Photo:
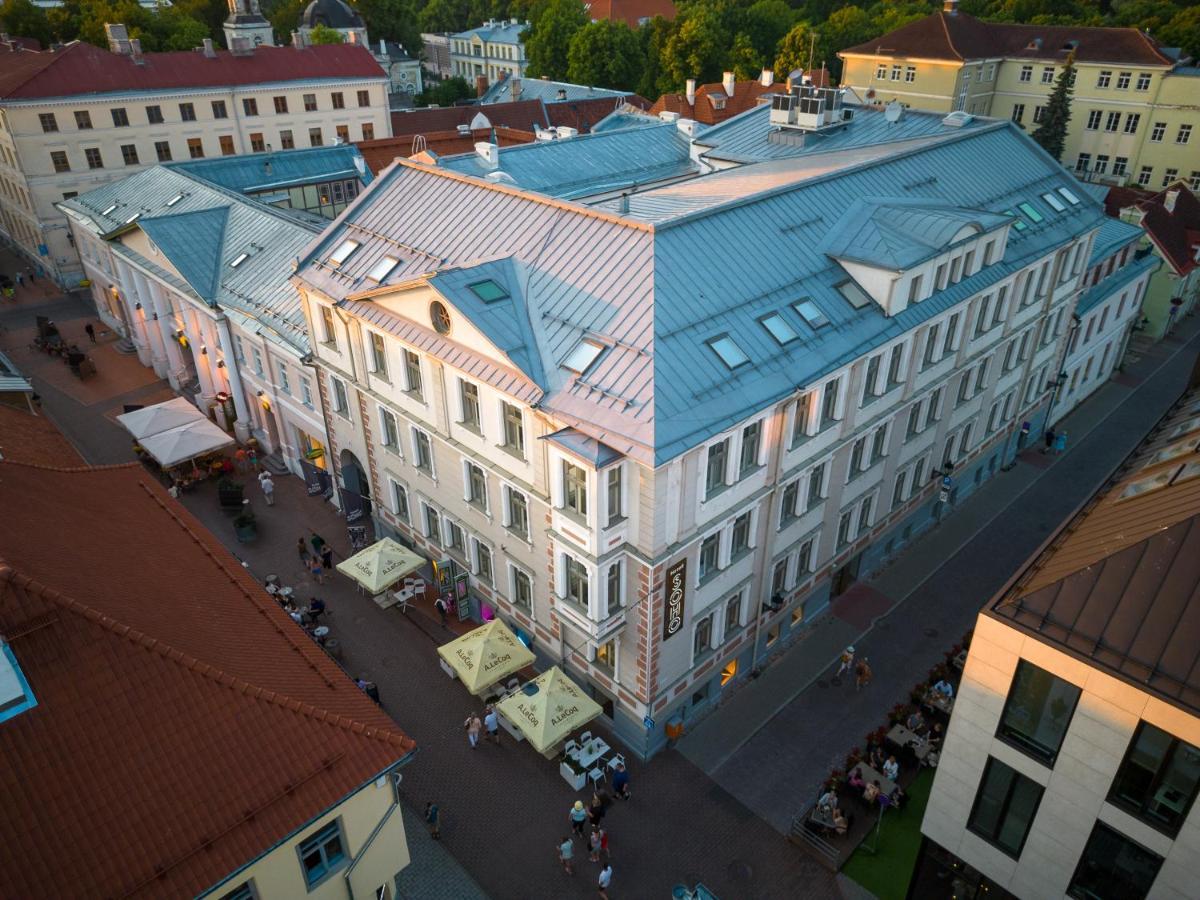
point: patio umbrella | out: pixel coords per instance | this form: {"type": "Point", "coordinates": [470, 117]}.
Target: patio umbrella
{"type": "Point", "coordinates": [160, 417]}
{"type": "Point", "coordinates": [381, 565]}
{"type": "Point", "coordinates": [177, 445]}
{"type": "Point", "coordinates": [549, 708]}
{"type": "Point", "coordinates": [484, 656]}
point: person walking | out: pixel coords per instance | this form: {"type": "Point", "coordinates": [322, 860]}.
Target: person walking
{"type": "Point", "coordinates": [316, 609]}
{"type": "Point", "coordinates": [566, 852]}
{"type": "Point", "coordinates": [604, 880]}
{"type": "Point", "coordinates": [440, 605]}
{"type": "Point", "coordinates": [473, 726]}
{"type": "Point", "coordinates": [621, 782]}
{"type": "Point", "coordinates": [91, 332]}
{"type": "Point", "coordinates": [594, 844]}
{"type": "Point", "coordinates": [846, 662]}
{"type": "Point", "coordinates": [431, 819]}
{"type": "Point", "coordinates": [318, 543]}
{"type": "Point", "coordinates": [268, 487]}
{"type": "Point", "coordinates": [240, 459]}
{"type": "Point", "coordinates": [1049, 440]}
{"type": "Point", "coordinates": [1060, 443]}
{"type": "Point", "coordinates": [317, 571]}
{"type": "Point", "coordinates": [862, 674]}
{"type": "Point", "coordinates": [491, 721]}
{"type": "Point", "coordinates": [604, 844]}
{"type": "Point", "coordinates": [327, 558]}
{"type": "Point", "coordinates": [578, 815]}
{"type": "Point", "coordinates": [302, 548]}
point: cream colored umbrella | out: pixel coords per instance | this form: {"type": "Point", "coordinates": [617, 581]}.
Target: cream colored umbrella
{"type": "Point", "coordinates": [485, 655]}
{"type": "Point", "coordinates": [381, 565]}
{"type": "Point", "coordinates": [548, 714]}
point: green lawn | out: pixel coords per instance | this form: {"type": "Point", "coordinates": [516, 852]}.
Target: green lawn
{"type": "Point", "coordinates": [886, 872]}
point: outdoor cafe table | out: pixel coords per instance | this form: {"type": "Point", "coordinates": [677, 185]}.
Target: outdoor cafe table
{"type": "Point", "coordinates": [869, 775]}
{"type": "Point", "coordinates": [939, 701]}
{"type": "Point", "coordinates": [903, 737]}
{"type": "Point", "coordinates": [823, 818]}
{"type": "Point", "coordinates": [592, 751]}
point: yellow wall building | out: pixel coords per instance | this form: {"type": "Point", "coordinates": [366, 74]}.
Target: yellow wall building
{"type": "Point", "coordinates": [1134, 109]}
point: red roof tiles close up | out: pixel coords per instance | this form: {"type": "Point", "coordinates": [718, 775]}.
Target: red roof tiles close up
{"type": "Point", "coordinates": [713, 104]}
{"type": "Point", "coordinates": [380, 153]}
{"type": "Point", "coordinates": [184, 724]}
{"type": "Point", "coordinates": [631, 12]}
{"type": "Point", "coordinates": [521, 114]}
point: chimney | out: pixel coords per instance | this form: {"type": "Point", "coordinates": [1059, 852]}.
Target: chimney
{"type": "Point", "coordinates": [516, 87]}
{"type": "Point", "coordinates": [481, 85]}
{"type": "Point", "coordinates": [352, 37]}
{"type": "Point", "coordinates": [562, 94]}
{"type": "Point", "coordinates": [729, 82]}
{"type": "Point", "coordinates": [209, 50]}
{"type": "Point", "coordinates": [950, 7]}
{"type": "Point", "coordinates": [135, 50]}
{"type": "Point", "coordinates": [691, 91]}
{"type": "Point", "coordinates": [489, 153]}
{"type": "Point", "coordinates": [297, 40]}
{"type": "Point", "coordinates": [1169, 199]}
{"type": "Point", "coordinates": [767, 78]}
{"type": "Point", "coordinates": [118, 39]}
{"type": "Point", "coordinates": [382, 47]}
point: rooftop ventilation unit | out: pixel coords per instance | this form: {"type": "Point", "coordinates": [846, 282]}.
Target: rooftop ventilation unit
{"type": "Point", "coordinates": [958, 119]}
{"type": "Point", "coordinates": [808, 108]}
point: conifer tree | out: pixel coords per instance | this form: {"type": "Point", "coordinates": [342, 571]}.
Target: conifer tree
{"type": "Point", "coordinates": [1051, 133]}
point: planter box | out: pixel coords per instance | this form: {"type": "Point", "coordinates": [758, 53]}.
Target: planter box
{"type": "Point", "coordinates": [246, 533]}
{"type": "Point", "coordinates": [577, 780]}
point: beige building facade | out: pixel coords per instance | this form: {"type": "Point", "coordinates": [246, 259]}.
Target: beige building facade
{"type": "Point", "coordinates": [493, 50]}
{"type": "Point", "coordinates": [1134, 106]}
{"type": "Point", "coordinates": [61, 137]}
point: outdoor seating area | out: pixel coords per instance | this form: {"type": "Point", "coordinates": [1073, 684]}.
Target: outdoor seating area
{"type": "Point", "coordinates": [587, 760]}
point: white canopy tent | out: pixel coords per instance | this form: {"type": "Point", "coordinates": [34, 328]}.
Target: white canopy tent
{"type": "Point", "coordinates": [160, 417]}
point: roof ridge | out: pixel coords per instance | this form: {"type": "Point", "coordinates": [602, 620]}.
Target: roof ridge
{"type": "Point", "coordinates": [56, 54]}
{"type": "Point", "coordinates": [946, 30]}
{"type": "Point", "coordinates": [69, 469]}
{"type": "Point", "coordinates": [13, 576]}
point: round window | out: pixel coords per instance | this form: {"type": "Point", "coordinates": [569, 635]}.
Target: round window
{"type": "Point", "coordinates": [440, 317]}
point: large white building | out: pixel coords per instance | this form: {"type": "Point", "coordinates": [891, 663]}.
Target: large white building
{"type": "Point", "coordinates": [489, 51]}
{"type": "Point", "coordinates": [1072, 760]}
{"type": "Point", "coordinates": [79, 117]}
{"type": "Point", "coordinates": [663, 416]}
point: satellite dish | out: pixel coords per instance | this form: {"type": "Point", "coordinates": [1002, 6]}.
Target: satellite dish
{"type": "Point", "coordinates": [893, 111]}
{"type": "Point", "coordinates": [480, 122]}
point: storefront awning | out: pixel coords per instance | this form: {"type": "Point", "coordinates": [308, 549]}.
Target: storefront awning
{"type": "Point", "coordinates": [485, 655]}
{"type": "Point", "coordinates": [548, 709]}
{"type": "Point", "coordinates": [381, 565]}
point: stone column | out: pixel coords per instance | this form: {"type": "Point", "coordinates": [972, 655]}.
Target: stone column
{"type": "Point", "coordinates": [130, 290]}
{"type": "Point", "coordinates": [241, 427]}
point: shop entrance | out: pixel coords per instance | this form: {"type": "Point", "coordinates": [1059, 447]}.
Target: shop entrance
{"type": "Point", "coordinates": [844, 577]}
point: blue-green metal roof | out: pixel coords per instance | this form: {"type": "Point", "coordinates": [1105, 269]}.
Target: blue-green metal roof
{"type": "Point", "coordinates": [546, 91]}
{"type": "Point", "coordinates": [1100, 292]}
{"type": "Point", "coordinates": [254, 172]}
{"type": "Point", "coordinates": [1113, 235]}
{"type": "Point", "coordinates": [589, 164]}
{"type": "Point", "coordinates": [618, 120]}
{"type": "Point", "coordinates": [192, 241]}
{"type": "Point", "coordinates": [502, 32]}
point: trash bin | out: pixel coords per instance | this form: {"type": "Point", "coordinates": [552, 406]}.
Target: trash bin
{"type": "Point", "coordinates": [371, 689]}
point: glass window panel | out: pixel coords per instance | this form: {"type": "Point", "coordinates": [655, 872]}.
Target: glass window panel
{"type": "Point", "coordinates": [1038, 712]}
{"type": "Point", "coordinates": [1113, 866]}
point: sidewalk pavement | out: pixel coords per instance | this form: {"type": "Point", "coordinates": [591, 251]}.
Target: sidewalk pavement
{"type": "Point", "coordinates": [773, 746]}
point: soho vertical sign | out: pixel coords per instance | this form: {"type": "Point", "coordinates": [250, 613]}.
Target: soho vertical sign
{"type": "Point", "coordinates": [674, 594]}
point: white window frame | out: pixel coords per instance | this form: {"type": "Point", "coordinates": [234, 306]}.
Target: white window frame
{"type": "Point", "coordinates": [416, 457]}
{"type": "Point", "coordinates": [395, 491]}
{"type": "Point", "coordinates": [386, 414]}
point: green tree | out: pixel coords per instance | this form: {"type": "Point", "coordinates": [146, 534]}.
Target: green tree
{"type": "Point", "coordinates": [445, 15]}
{"type": "Point", "coordinates": [284, 17]}
{"type": "Point", "coordinates": [653, 36]}
{"type": "Point", "coordinates": [698, 48]}
{"type": "Point", "coordinates": [186, 34]}
{"type": "Point", "coordinates": [765, 23]}
{"type": "Point", "coordinates": [1184, 31]}
{"type": "Point", "coordinates": [795, 50]}
{"type": "Point", "coordinates": [323, 34]}
{"type": "Point", "coordinates": [445, 93]}
{"type": "Point", "coordinates": [548, 40]}
{"type": "Point", "coordinates": [605, 54]}
{"type": "Point", "coordinates": [23, 19]}
{"type": "Point", "coordinates": [745, 61]}
{"type": "Point", "coordinates": [1051, 134]}
{"type": "Point", "coordinates": [393, 20]}
{"type": "Point", "coordinates": [848, 26]}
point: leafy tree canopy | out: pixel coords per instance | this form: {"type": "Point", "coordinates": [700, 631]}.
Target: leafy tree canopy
{"type": "Point", "coordinates": [548, 40]}
{"type": "Point", "coordinates": [605, 53]}
{"type": "Point", "coordinates": [323, 34]}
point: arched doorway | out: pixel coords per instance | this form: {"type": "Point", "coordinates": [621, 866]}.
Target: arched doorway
{"type": "Point", "coordinates": [355, 490]}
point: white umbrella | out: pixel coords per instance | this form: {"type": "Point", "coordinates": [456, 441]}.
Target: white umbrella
{"type": "Point", "coordinates": [170, 448]}
{"type": "Point", "coordinates": [160, 417]}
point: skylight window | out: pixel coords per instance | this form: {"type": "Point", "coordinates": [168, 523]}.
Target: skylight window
{"type": "Point", "coordinates": [15, 695]}
{"type": "Point", "coordinates": [1069, 196]}
{"type": "Point", "coordinates": [1054, 203]}
{"type": "Point", "coordinates": [239, 259]}
{"type": "Point", "coordinates": [174, 199]}
{"type": "Point", "coordinates": [1017, 223]}
{"type": "Point", "coordinates": [133, 218]}
{"type": "Point", "coordinates": [1031, 212]}
{"type": "Point", "coordinates": [383, 268]}
{"type": "Point", "coordinates": [488, 291]}
{"type": "Point", "coordinates": [342, 253]}
{"type": "Point", "coordinates": [778, 328]}
{"type": "Point", "coordinates": [811, 314]}
{"type": "Point", "coordinates": [108, 211]}
{"type": "Point", "coordinates": [855, 295]}
{"type": "Point", "coordinates": [581, 358]}
{"type": "Point", "coordinates": [729, 352]}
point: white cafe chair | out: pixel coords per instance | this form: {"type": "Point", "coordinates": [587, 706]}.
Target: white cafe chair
{"type": "Point", "coordinates": [596, 775]}
{"type": "Point", "coordinates": [585, 737]}
{"type": "Point", "coordinates": [617, 760]}
{"type": "Point", "coordinates": [570, 748]}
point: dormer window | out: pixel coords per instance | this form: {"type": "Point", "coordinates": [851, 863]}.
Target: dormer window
{"type": "Point", "coordinates": [342, 253]}
{"type": "Point", "coordinates": [488, 291]}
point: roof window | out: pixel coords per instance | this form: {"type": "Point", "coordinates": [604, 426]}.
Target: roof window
{"type": "Point", "coordinates": [15, 695]}
{"type": "Point", "coordinates": [239, 259]}
{"type": "Point", "coordinates": [729, 352]}
{"type": "Point", "coordinates": [1054, 203]}
{"type": "Point", "coordinates": [174, 199]}
{"type": "Point", "coordinates": [383, 268]}
{"type": "Point", "coordinates": [108, 210]}
{"type": "Point", "coordinates": [1069, 196]}
{"type": "Point", "coordinates": [342, 253]}
{"type": "Point", "coordinates": [581, 358]}
{"type": "Point", "coordinates": [1172, 451]}
{"type": "Point", "coordinates": [778, 327]}
{"type": "Point", "coordinates": [811, 314]}
{"type": "Point", "coordinates": [1031, 212]}
{"type": "Point", "coordinates": [488, 291]}
{"type": "Point", "coordinates": [1017, 222]}
{"type": "Point", "coordinates": [855, 295]}
{"type": "Point", "coordinates": [133, 218]}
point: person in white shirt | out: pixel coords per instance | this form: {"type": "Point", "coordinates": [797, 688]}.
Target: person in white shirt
{"type": "Point", "coordinates": [891, 768]}
{"type": "Point", "coordinates": [945, 688]}
{"type": "Point", "coordinates": [605, 880]}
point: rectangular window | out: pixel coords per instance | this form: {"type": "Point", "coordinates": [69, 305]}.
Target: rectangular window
{"type": "Point", "coordinates": [829, 403]}
{"type": "Point", "coordinates": [322, 854]}
{"type": "Point", "coordinates": [514, 428]}
{"type": "Point", "coordinates": [226, 143]}
{"type": "Point", "coordinates": [456, 539]}
{"type": "Point", "coordinates": [1120, 165]}
{"type": "Point", "coordinates": [1184, 134]}
{"type": "Point", "coordinates": [399, 500]}
{"type": "Point", "coordinates": [285, 383]}
{"type": "Point", "coordinates": [896, 73]}
{"type": "Point", "coordinates": [1112, 122]}
{"type": "Point", "coordinates": [522, 590]}
{"type": "Point", "coordinates": [910, 74]}
{"type": "Point", "coordinates": [49, 123]}
{"type": "Point", "coordinates": [1158, 779]}
{"type": "Point", "coordinates": [1004, 807]}
{"type": "Point", "coordinates": [195, 148]}
{"type": "Point", "coordinates": [129, 154]}
{"type": "Point", "coordinates": [343, 133]}
{"type": "Point", "coordinates": [1169, 177]}
{"type": "Point", "coordinates": [153, 115]}
{"type": "Point", "coordinates": [845, 523]}
{"type": "Point", "coordinates": [715, 466]}
{"type": "Point", "coordinates": [1039, 113]}
{"type": "Point", "coordinates": [310, 102]}
{"type": "Point", "coordinates": [1145, 175]}
{"type": "Point", "coordinates": [898, 491]}
{"type": "Point", "coordinates": [1026, 74]}
{"type": "Point", "coordinates": [931, 344]}
{"type": "Point", "coordinates": [1123, 79]}
{"type": "Point", "coordinates": [751, 439]}
{"type": "Point", "coordinates": [788, 502]}
{"type": "Point", "coordinates": [433, 524]}
{"type": "Point", "coordinates": [741, 536]}
{"type": "Point", "coordinates": [816, 485]}
{"type": "Point", "coordinates": [577, 581]}
{"type": "Point", "coordinates": [1113, 866]}
{"type": "Point", "coordinates": [468, 396]}
{"type": "Point", "coordinates": [60, 161]}
{"type": "Point", "coordinates": [120, 118]}
{"type": "Point", "coordinates": [162, 149]}
{"type": "Point", "coordinates": [1018, 112]}
{"type": "Point", "coordinates": [219, 110]}
{"type": "Point", "coordinates": [1037, 712]}
{"type": "Point", "coordinates": [476, 486]}
{"type": "Point", "coordinates": [364, 98]}
{"type": "Point", "coordinates": [1131, 122]}
{"type": "Point", "coordinates": [306, 392]}
{"type": "Point", "coordinates": [613, 495]}
{"type": "Point", "coordinates": [187, 112]}
{"type": "Point", "coordinates": [1104, 79]}
{"type": "Point", "coordinates": [575, 489]}
{"type": "Point", "coordinates": [914, 289]}
{"type": "Point", "coordinates": [612, 589]}
{"type": "Point", "coordinates": [935, 407]}
{"type": "Point", "coordinates": [517, 508]}
{"type": "Point", "coordinates": [1093, 120]}
{"type": "Point", "coordinates": [422, 451]}
{"type": "Point", "coordinates": [314, 137]}
{"type": "Point", "coordinates": [702, 640]}
{"type": "Point", "coordinates": [390, 434]}
{"type": "Point", "coordinates": [872, 376]}
{"type": "Point", "coordinates": [258, 143]}
{"type": "Point", "coordinates": [733, 615]}
{"type": "Point", "coordinates": [378, 355]}
{"type": "Point", "coordinates": [1143, 82]}
{"type": "Point", "coordinates": [339, 102]}
{"type": "Point", "coordinates": [250, 106]}
{"type": "Point", "coordinates": [286, 141]}
{"type": "Point", "coordinates": [864, 514]}
{"type": "Point", "coordinates": [94, 160]}
{"type": "Point", "coordinates": [1157, 132]}
{"type": "Point", "coordinates": [281, 105]}
{"type": "Point", "coordinates": [412, 373]}
{"type": "Point", "coordinates": [368, 131]}
{"type": "Point", "coordinates": [800, 415]}
{"type": "Point", "coordinates": [710, 555]}
{"type": "Point", "coordinates": [1047, 74]}
{"type": "Point", "coordinates": [83, 119]}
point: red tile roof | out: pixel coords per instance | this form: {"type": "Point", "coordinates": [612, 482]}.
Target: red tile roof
{"type": "Point", "coordinates": [1119, 197]}
{"type": "Point", "coordinates": [631, 12]}
{"type": "Point", "coordinates": [184, 724]}
{"type": "Point", "coordinates": [1175, 232]}
{"type": "Point", "coordinates": [81, 68]}
{"type": "Point", "coordinates": [958, 36]}
{"type": "Point", "coordinates": [521, 114]}
{"type": "Point", "coordinates": [708, 96]}
{"type": "Point", "coordinates": [27, 438]}
{"type": "Point", "coordinates": [380, 153]}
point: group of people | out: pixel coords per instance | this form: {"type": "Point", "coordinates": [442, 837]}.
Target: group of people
{"type": "Point", "coordinates": [860, 667]}
{"type": "Point", "coordinates": [317, 562]}
{"type": "Point", "coordinates": [307, 617]}
{"type": "Point", "coordinates": [9, 285]}
{"type": "Point", "coordinates": [587, 823]}
{"type": "Point", "coordinates": [474, 726]}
